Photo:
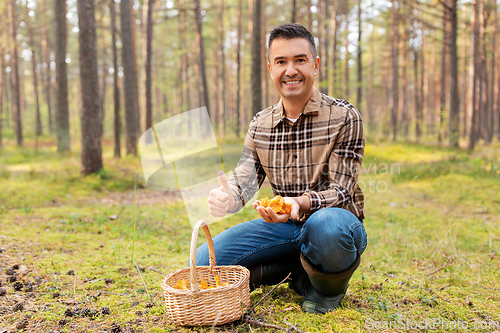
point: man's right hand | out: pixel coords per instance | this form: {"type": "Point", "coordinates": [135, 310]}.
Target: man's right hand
{"type": "Point", "coordinates": [220, 199]}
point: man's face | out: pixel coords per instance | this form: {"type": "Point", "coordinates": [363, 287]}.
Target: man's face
{"type": "Point", "coordinates": [293, 68]}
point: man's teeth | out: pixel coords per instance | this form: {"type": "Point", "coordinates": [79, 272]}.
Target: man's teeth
{"type": "Point", "coordinates": [292, 82]}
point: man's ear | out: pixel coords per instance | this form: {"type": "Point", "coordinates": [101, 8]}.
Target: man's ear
{"type": "Point", "coordinates": [269, 68]}
{"type": "Point", "coordinates": [316, 66]}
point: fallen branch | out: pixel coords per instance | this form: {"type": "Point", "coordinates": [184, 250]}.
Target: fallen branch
{"type": "Point", "coordinates": [154, 270]}
{"type": "Point", "coordinates": [109, 292]}
{"type": "Point", "coordinates": [428, 274]}
{"type": "Point", "coordinates": [270, 291]}
{"type": "Point", "coordinates": [292, 326]}
{"type": "Point", "coordinates": [252, 321]}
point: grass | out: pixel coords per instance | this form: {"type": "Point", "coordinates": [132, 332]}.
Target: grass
{"type": "Point", "coordinates": [431, 219]}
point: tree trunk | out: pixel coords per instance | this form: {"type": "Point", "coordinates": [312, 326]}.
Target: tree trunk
{"type": "Point", "coordinates": [483, 102]}
{"type": "Point", "coordinates": [47, 78]}
{"type": "Point", "coordinates": [360, 64]}
{"type": "Point", "coordinates": [404, 89]}
{"type": "Point", "coordinates": [454, 98]}
{"type": "Point", "coordinates": [133, 26]}
{"type": "Point", "coordinates": [147, 53]}
{"type": "Point", "coordinates": [395, 68]}
{"type": "Point", "coordinates": [238, 73]}
{"type": "Point", "coordinates": [223, 107]}
{"type": "Point", "coordinates": [256, 59]}
{"type": "Point", "coordinates": [2, 54]}
{"type": "Point", "coordinates": [465, 96]}
{"type": "Point", "coordinates": [444, 72]}
{"type": "Point", "coordinates": [475, 75]}
{"type": "Point", "coordinates": [333, 24]}
{"type": "Point", "coordinates": [494, 74]}
{"type": "Point", "coordinates": [38, 121]}
{"type": "Point", "coordinates": [16, 94]}
{"type": "Point", "coordinates": [62, 114]}
{"type": "Point", "coordinates": [347, 58]}
{"type": "Point", "coordinates": [116, 92]}
{"type": "Point", "coordinates": [294, 11]}
{"type": "Point", "coordinates": [418, 101]}
{"type": "Point", "coordinates": [131, 114]}
{"type": "Point", "coordinates": [91, 123]}
{"type": "Point", "coordinates": [201, 56]}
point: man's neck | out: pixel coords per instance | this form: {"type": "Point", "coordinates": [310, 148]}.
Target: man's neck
{"type": "Point", "coordinates": [293, 108]}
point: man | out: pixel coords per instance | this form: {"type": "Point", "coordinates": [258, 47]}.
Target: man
{"type": "Point", "coordinates": [310, 147]}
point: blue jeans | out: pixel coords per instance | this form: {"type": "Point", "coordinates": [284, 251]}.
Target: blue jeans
{"type": "Point", "coordinates": [330, 238]}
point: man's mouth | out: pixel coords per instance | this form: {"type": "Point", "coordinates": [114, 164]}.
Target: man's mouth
{"type": "Point", "coordinates": [292, 82]}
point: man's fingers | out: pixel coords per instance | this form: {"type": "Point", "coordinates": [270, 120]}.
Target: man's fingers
{"type": "Point", "coordinates": [217, 193]}
{"type": "Point", "coordinates": [263, 214]}
{"type": "Point", "coordinates": [223, 182]}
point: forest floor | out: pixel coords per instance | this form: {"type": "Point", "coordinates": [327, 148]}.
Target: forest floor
{"type": "Point", "coordinates": [432, 261]}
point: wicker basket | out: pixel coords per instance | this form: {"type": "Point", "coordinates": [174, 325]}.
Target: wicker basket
{"type": "Point", "coordinates": [195, 307]}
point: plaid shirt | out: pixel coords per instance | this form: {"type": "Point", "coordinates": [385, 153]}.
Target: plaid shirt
{"type": "Point", "coordinates": [319, 155]}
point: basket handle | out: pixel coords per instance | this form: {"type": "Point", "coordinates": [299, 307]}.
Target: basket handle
{"type": "Point", "coordinates": [192, 258]}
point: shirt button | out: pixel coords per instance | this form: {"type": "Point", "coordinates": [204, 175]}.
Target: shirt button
{"type": "Point", "coordinates": [294, 156]}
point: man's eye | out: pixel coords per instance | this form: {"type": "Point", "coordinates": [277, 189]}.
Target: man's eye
{"type": "Point", "coordinates": [301, 60]}
{"type": "Point", "coordinates": [280, 62]}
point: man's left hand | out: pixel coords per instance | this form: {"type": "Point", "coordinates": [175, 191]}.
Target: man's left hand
{"type": "Point", "coordinates": [270, 216]}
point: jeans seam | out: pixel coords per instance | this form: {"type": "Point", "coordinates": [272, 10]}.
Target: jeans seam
{"type": "Point", "coordinates": [259, 249]}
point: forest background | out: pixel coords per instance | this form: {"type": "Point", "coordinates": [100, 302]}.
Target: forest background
{"type": "Point", "coordinates": [80, 81]}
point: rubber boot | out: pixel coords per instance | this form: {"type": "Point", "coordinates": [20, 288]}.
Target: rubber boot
{"type": "Point", "coordinates": [272, 273]}
{"type": "Point", "coordinates": [328, 289]}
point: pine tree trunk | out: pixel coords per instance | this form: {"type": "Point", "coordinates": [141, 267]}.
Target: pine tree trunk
{"type": "Point", "coordinates": [475, 75]}
{"type": "Point", "coordinates": [418, 120]}
{"type": "Point", "coordinates": [360, 64]}
{"type": "Point", "coordinates": [256, 59]}
{"type": "Point", "coordinates": [91, 123]}
{"type": "Point", "coordinates": [47, 78]}
{"type": "Point", "coordinates": [395, 68]}
{"type": "Point", "coordinates": [483, 109]}
{"type": "Point", "coordinates": [147, 54]}
{"type": "Point", "coordinates": [116, 91]}
{"type": "Point", "coordinates": [2, 54]}
{"type": "Point", "coordinates": [346, 59]}
{"type": "Point", "coordinates": [404, 89]}
{"type": "Point", "coordinates": [16, 93]}
{"type": "Point", "coordinates": [444, 72]}
{"type": "Point", "coordinates": [131, 112]}
{"type": "Point", "coordinates": [62, 114]}
{"type": "Point", "coordinates": [201, 56]}
{"type": "Point", "coordinates": [238, 73]}
{"type": "Point", "coordinates": [223, 94]}
{"type": "Point", "coordinates": [294, 11]}
{"type": "Point", "coordinates": [333, 24]}
{"type": "Point", "coordinates": [465, 101]}
{"type": "Point", "coordinates": [454, 98]}
{"type": "Point", "coordinates": [38, 126]}
{"type": "Point", "coordinates": [309, 15]}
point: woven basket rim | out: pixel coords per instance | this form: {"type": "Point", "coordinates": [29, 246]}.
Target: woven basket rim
{"type": "Point", "coordinates": [176, 291]}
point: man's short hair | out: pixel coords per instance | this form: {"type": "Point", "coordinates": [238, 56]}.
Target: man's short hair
{"type": "Point", "coordinates": [291, 31]}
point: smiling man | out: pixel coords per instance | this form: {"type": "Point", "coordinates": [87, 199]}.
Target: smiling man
{"type": "Point", "coordinates": [310, 147]}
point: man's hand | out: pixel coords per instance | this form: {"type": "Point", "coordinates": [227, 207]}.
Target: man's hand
{"type": "Point", "coordinates": [270, 216]}
{"type": "Point", "coordinates": [220, 199]}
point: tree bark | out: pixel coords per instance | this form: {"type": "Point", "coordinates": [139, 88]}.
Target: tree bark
{"type": "Point", "coordinates": [475, 75]}
{"type": "Point", "coordinates": [16, 94]}
{"type": "Point", "coordinates": [91, 123]}
{"type": "Point", "coordinates": [465, 99]}
{"type": "Point", "coordinates": [444, 72]}
{"type": "Point", "coordinates": [454, 98]}
{"type": "Point", "coordinates": [294, 11]}
{"type": "Point", "coordinates": [223, 116]}
{"type": "Point", "coordinates": [131, 114]}
{"type": "Point", "coordinates": [2, 54]}
{"type": "Point", "coordinates": [147, 54]}
{"type": "Point", "coordinates": [47, 78]}
{"type": "Point", "coordinates": [256, 59]}
{"type": "Point", "coordinates": [405, 117]}
{"type": "Point", "coordinates": [116, 91]}
{"type": "Point", "coordinates": [333, 24]}
{"type": "Point", "coordinates": [62, 114]}
{"type": "Point", "coordinates": [395, 68]}
{"type": "Point", "coordinates": [38, 121]}
{"type": "Point", "coordinates": [201, 55]}
{"type": "Point", "coordinates": [360, 64]}
{"type": "Point", "coordinates": [238, 73]}
{"type": "Point", "coordinates": [347, 58]}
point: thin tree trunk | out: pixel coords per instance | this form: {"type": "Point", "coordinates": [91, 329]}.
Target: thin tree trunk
{"type": "Point", "coordinates": [91, 123]}
{"type": "Point", "coordinates": [404, 99]}
{"type": "Point", "coordinates": [116, 91]}
{"type": "Point", "coordinates": [496, 112]}
{"type": "Point", "coordinates": [238, 72]}
{"type": "Point", "coordinates": [16, 93]}
{"type": "Point", "coordinates": [104, 70]}
{"type": "Point", "coordinates": [444, 72]}
{"type": "Point", "coordinates": [475, 86]}
{"type": "Point", "coordinates": [333, 24]}
{"type": "Point", "coordinates": [294, 11]}
{"type": "Point", "coordinates": [465, 96]}
{"type": "Point", "coordinates": [38, 121]}
{"type": "Point", "coordinates": [347, 58]}
{"type": "Point", "coordinates": [62, 114]}
{"type": "Point", "coordinates": [201, 55]}
{"type": "Point", "coordinates": [223, 104]}
{"type": "Point", "coordinates": [360, 64]}
{"type": "Point", "coordinates": [395, 68]}
{"type": "Point", "coordinates": [484, 77]}
{"type": "Point", "coordinates": [133, 27]}
{"type": "Point", "coordinates": [418, 101]}
{"type": "Point", "coordinates": [147, 56]}
{"type": "Point", "coordinates": [256, 59]}
{"type": "Point", "coordinates": [454, 98]}
{"type": "Point", "coordinates": [47, 78]}
{"type": "Point", "coordinates": [494, 75]}
{"type": "Point", "coordinates": [131, 114]}
{"type": "Point", "coordinates": [2, 54]}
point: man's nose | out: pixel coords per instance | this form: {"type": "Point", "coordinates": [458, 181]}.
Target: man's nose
{"type": "Point", "coordinates": [290, 69]}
